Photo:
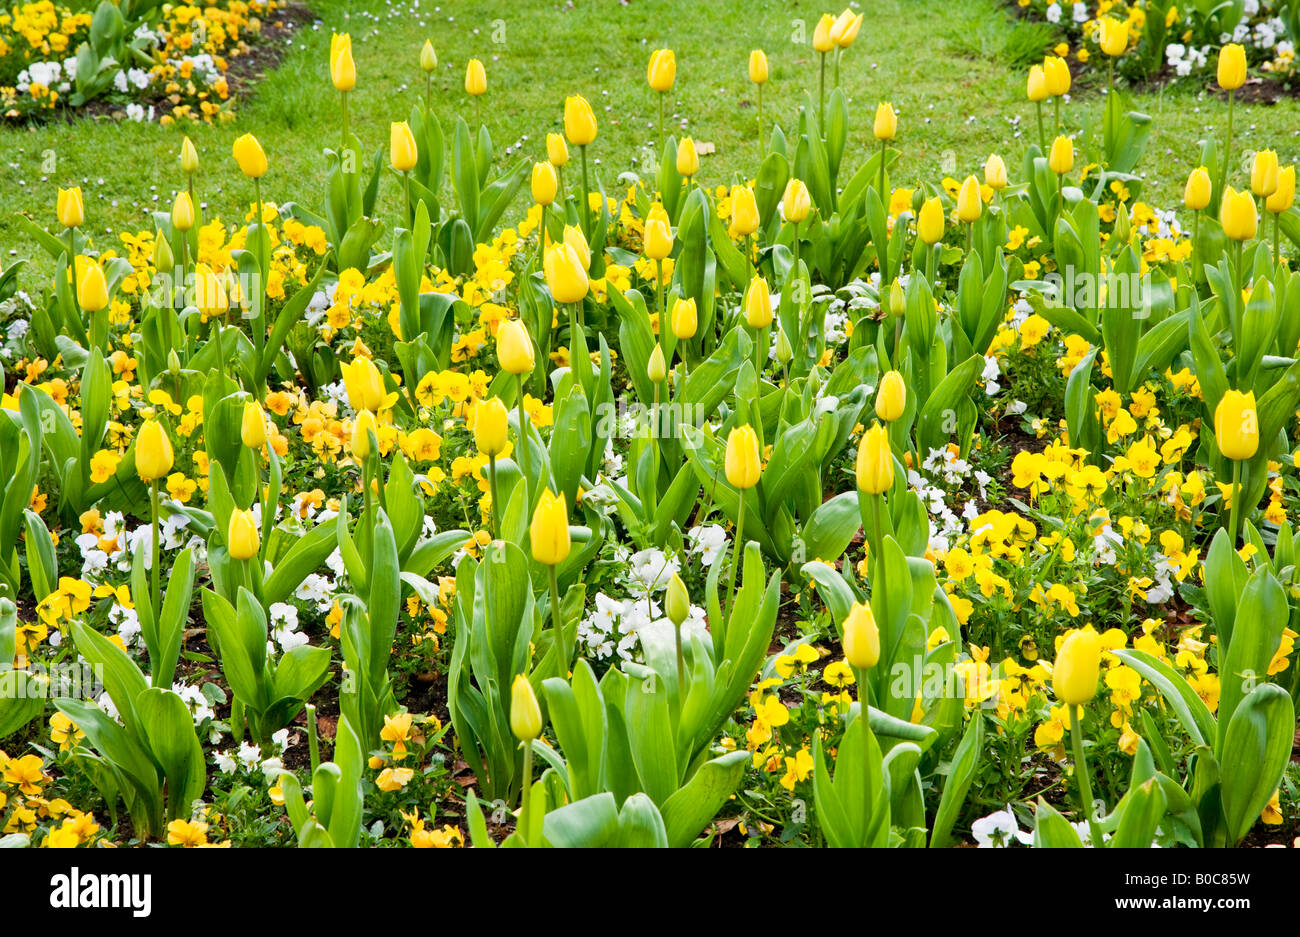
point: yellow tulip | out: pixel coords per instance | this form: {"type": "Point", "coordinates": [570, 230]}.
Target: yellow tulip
{"type": "Point", "coordinates": [1237, 215]}
{"type": "Point", "coordinates": [1077, 667]}
{"type": "Point", "coordinates": [822, 41]}
{"type": "Point", "coordinates": [995, 173]}
{"type": "Point", "coordinates": [491, 424]}
{"type": "Point", "coordinates": [154, 456]}
{"type": "Point", "coordinates": [685, 318]}
{"type": "Point", "coordinates": [743, 466]}
{"type": "Point", "coordinates": [557, 151]}
{"type": "Point", "coordinates": [1283, 197]}
{"type": "Point", "coordinates": [362, 427]}
{"type": "Point", "coordinates": [897, 299]}
{"type": "Point", "coordinates": [549, 530]}
{"type": "Point", "coordinates": [242, 537]}
{"type": "Point", "coordinates": [428, 57]}
{"type": "Point", "coordinates": [796, 201]}
{"type": "Point", "coordinates": [656, 368]}
{"type": "Point", "coordinates": [364, 384]}
{"type": "Point", "coordinates": [475, 78]}
{"type": "Point", "coordinates": [1196, 195]}
{"type": "Point", "coordinates": [92, 289]}
{"type": "Point", "coordinates": [929, 223]}
{"type": "Point", "coordinates": [402, 151]}
{"type": "Point", "coordinates": [1113, 36]}
{"type": "Point", "coordinates": [758, 66]}
{"type": "Point", "coordinates": [71, 210]}
{"type": "Point", "coordinates": [662, 71]}
{"type": "Point", "coordinates": [252, 428]}
{"type": "Point", "coordinates": [574, 237]}
{"type": "Point", "coordinates": [544, 183]}
{"type": "Point", "coordinates": [758, 304]}
{"type": "Point", "coordinates": [209, 292]}
{"type": "Point", "coordinates": [1232, 67]}
{"type": "Point", "coordinates": [249, 156]}
{"type": "Point", "coordinates": [688, 160]}
{"type": "Point", "coordinates": [515, 347]}
{"type": "Point", "coordinates": [525, 714]}
{"type": "Point", "coordinates": [658, 241]}
{"type": "Point", "coordinates": [891, 398]}
{"type": "Point", "coordinates": [861, 637]}
{"type": "Point", "coordinates": [1036, 87]}
{"type": "Point", "coordinates": [1236, 425]}
{"type": "Point", "coordinates": [744, 210]}
{"type": "Point", "coordinates": [969, 203]}
{"type": "Point", "coordinates": [1263, 173]}
{"type": "Point", "coordinates": [1057, 75]}
{"type": "Point", "coordinates": [886, 123]}
{"type": "Point", "coordinates": [1061, 159]}
{"type": "Point", "coordinates": [182, 212]}
{"type": "Point", "coordinates": [579, 121]}
{"type": "Point", "coordinates": [875, 464]}
{"type": "Point", "coordinates": [845, 28]}
{"type": "Point", "coordinates": [566, 277]}
{"type": "Point", "coordinates": [343, 70]}
{"type": "Point", "coordinates": [189, 157]}
{"type": "Point", "coordinates": [677, 601]}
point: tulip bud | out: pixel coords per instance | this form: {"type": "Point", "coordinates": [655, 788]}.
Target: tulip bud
{"type": "Point", "coordinates": [475, 78]}
{"type": "Point", "coordinates": [428, 58]}
{"type": "Point", "coordinates": [1232, 67]}
{"type": "Point", "coordinates": [688, 160]}
{"type": "Point", "coordinates": [1077, 667]}
{"type": "Point", "coordinates": [1263, 173]}
{"type": "Point", "coordinates": [860, 637]}
{"type": "Point", "coordinates": [677, 601]}
{"type": "Point", "coordinates": [579, 121]}
{"type": "Point", "coordinates": [343, 70]}
{"type": "Point", "coordinates": [209, 292]}
{"type": "Point", "coordinates": [796, 202]}
{"type": "Point", "coordinates": [153, 452]}
{"type": "Point", "coordinates": [995, 173]}
{"type": "Point", "coordinates": [845, 28]}
{"type": "Point", "coordinates": [969, 203]}
{"type": "Point", "coordinates": [662, 71]}
{"type": "Point", "coordinates": [929, 223]}
{"type": "Point", "coordinates": [657, 368]}
{"type": "Point", "coordinates": [549, 530]}
{"type": "Point", "coordinates": [491, 424]}
{"type": "Point", "coordinates": [189, 157]}
{"type": "Point", "coordinates": [897, 300]}
{"type": "Point", "coordinates": [402, 151]}
{"type": "Point", "coordinates": [252, 428]}
{"type": "Point", "coordinates": [71, 210]}
{"type": "Point", "coordinates": [891, 398]}
{"type": "Point", "coordinates": [173, 363]}
{"type": "Point", "coordinates": [758, 304]}
{"type": "Point", "coordinates": [822, 41]}
{"type": "Point", "coordinates": [566, 276]}
{"type": "Point", "coordinates": [758, 66]}
{"type": "Point", "coordinates": [1282, 199]}
{"type": "Point", "coordinates": [1237, 215]}
{"type": "Point", "coordinates": [574, 237]}
{"type": "Point", "coordinates": [1236, 425]}
{"type": "Point", "coordinates": [685, 319]}
{"type": "Point", "coordinates": [182, 212]}
{"type": "Point", "coordinates": [743, 465]}
{"type": "Point", "coordinates": [1197, 193]}
{"type": "Point", "coordinates": [92, 289]}
{"type": "Point", "coordinates": [784, 353]}
{"type": "Point", "coordinates": [242, 537]}
{"type": "Point", "coordinates": [1113, 36]}
{"type": "Point", "coordinates": [364, 385]}
{"type": "Point", "coordinates": [658, 239]}
{"type": "Point", "coordinates": [515, 347]}
{"type": "Point", "coordinates": [163, 260]}
{"type": "Point", "coordinates": [875, 465]}
{"type": "Point", "coordinates": [557, 151]}
{"type": "Point", "coordinates": [1036, 87]}
{"type": "Point", "coordinates": [362, 427]}
{"type": "Point", "coordinates": [744, 210]}
{"type": "Point", "coordinates": [544, 183]}
{"type": "Point", "coordinates": [1056, 73]}
{"type": "Point", "coordinates": [1061, 159]}
{"type": "Point", "coordinates": [249, 156]}
{"type": "Point", "coordinates": [886, 123]}
{"type": "Point", "coordinates": [525, 714]}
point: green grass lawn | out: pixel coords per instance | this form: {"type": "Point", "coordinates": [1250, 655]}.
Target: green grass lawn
{"type": "Point", "coordinates": [947, 67]}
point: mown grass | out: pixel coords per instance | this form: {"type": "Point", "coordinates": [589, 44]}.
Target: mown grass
{"type": "Point", "coordinates": [954, 70]}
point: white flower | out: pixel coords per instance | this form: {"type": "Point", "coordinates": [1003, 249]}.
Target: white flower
{"type": "Point", "coordinates": [999, 829]}
{"type": "Point", "coordinates": [708, 542]}
{"type": "Point", "coordinates": [652, 569]}
{"type": "Point", "coordinates": [250, 756]}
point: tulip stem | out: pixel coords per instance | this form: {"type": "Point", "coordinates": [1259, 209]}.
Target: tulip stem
{"type": "Point", "coordinates": [1277, 252]}
{"type": "Point", "coordinates": [523, 444]}
{"type": "Point", "coordinates": [1042, 134]}
{"type": "Point", "coordinates": [659, 293]}
{"type": "Point", "coordinates": [795, 268]}
{"type": "Point", "coordinates": [878, 546]}
{"type": "Point", "coordinates": [541, 243]}
{"type": "Point", "coordinates": [584, 202]}
{"type": "Point", "coordinates": [428, 94]}
{"type": "Point", "coordinates": [1081, 772]}
{"type": "Point", "coordinates": [313, 743]}
{"type": "Point", "coordinates": [739, 546]}
{"type": "Point", "coordinates": [681, 667]}
{"type": "Point", "coordinates": [884, 200]}
{"type": "Point", "coordinates": [72, 266]}
{"type": "Point", "coordinates": [557, 623]}
{"type": "Point", "coordinates": [343, 148]}
{"type": "Point", "coordinates": [821, 103]}
{"type": "Point", "coordinates": [1236, 501]}
{"type": "Point", "coordinates": [1227, 145]}
{"type": "Point", "coordinates": [661, 122]}
{"type": "Point", "coordinates": [492, 487]}
{"type": "Point", "coordinates": [524, 791]}
{"type": "Point", "coordinates": [155, 589]}
{"type": "Point", "coordinates": [406, 185]}
{"type": "Point", "coordinates": [653, 493]}
{"type": "Point", "coordinates": [1056, 106]}
{"type": "Point", "coordinates": [864, 710]}
{"type": "Point", "coordinates": [760, 120]}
